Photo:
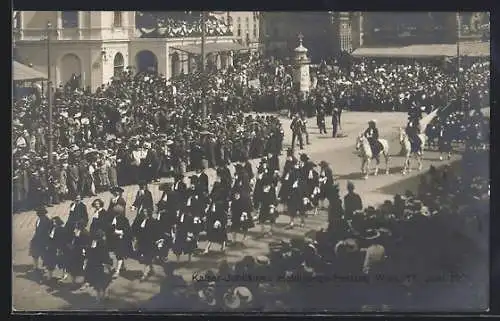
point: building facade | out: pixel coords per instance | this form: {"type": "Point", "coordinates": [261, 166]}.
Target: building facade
{"type": "Point", "coordinates": [245, 25]}
{"type": "Point", "coordinates": [279, 32]}
{"type": "Point", "coordinates": [98, 44]}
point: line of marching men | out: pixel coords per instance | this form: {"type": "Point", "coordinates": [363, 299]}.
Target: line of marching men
{"type": "Point", "coordinates": [183, 212]}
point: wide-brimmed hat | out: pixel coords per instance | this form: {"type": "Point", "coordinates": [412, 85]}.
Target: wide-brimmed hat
{"type": "Point", "coordinates": [235, 298]}
{"type": "Point", "coordinates": [207, 296]}
{"type": "Point", "coordinates": [303, 157]}
{"type": "Point", "coordinates": [370, 234]}
{"type": "Point", "coordinates": [116, 189]}
{"type": "Point", "coordinates": [41, 211]}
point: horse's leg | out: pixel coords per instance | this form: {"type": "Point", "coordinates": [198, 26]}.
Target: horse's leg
{"type": "Point", "coordinates": [363, 166]}
{"type": "Point", "coordinates": [366, 168]}
{"type": "Point", "coordinates": [386, 155]}
{"type": "Point", "coordinates": [419, 159]}
{"type": "Point", "coordinates": [377, 160]}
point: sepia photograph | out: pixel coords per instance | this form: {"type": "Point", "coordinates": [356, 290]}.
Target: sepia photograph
{"type": "Point", "coordinates": [250, 161]}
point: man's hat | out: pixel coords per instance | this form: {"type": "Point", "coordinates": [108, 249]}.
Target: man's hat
{"type": "Point", "coordinates": [323, 164]}
{"type": "Point", "coordinates": [41, 210]}
{"type": "Point", "coordinates": [142, 183]}
{"type": "Point", "coordinates": [116, 189]}
{"type": "Point", "coordinates": [350, 185]}
{"type": "Point", "coordinates": [304, 157]}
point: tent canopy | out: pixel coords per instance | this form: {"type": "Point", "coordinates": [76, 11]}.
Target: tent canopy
{"type": "Point", "coordinates": [473, 49]}
{"type": "Point", "coordinates": [211, 48]}
{"type": "Point", "coordinates": [22, 72]}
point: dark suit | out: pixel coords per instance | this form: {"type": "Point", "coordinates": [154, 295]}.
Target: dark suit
{"type": "Point", "coordinates": [352, 202]}
{"type": "Point", "coordinates": [76, 214]}
{"type": "Point", "coordinates": [203, 182]}
{"type": "Point", "coordinates": [143, 200]}
{"type": "Point", "coordinates": [39, 241]}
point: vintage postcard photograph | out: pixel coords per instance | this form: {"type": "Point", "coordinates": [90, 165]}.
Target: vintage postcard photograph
{"type": "Point", "coordinates": [229, 161]}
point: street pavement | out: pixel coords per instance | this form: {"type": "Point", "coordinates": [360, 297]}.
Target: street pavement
{"type": "Point", "coordinates": [127, 291]}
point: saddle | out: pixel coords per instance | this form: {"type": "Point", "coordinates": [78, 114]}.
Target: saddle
{"type": "Point", "coordinates": [376, 148]}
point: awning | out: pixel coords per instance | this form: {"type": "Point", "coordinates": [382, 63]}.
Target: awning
{"type": "Point", "coordinates": [472, 49]}
{"type": "Point", "coordinates": [22, 72]}
{"type": "Point", "coordinates": [211, 48]}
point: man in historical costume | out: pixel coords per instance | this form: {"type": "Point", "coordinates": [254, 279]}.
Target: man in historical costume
{"type": "Point", "coordinates": [413, 132]}
{"type": "Point", "coordinates": [74, 253]}
{"type": "Point", "coordinates": [241, 214]}
{"type": "Point", "coordinates": [120, 240]}
{"type": "Point", "coordinates": [77, 213]}
{"type": "Point", "coordinates": [371, 133]}
{"type": "Point", "coordinates": [352, 201]}
{"type": "Point", "coordinates": [144, 230]}
{"type": "Point", "coordinates": [143, 198]}
{"type": "Point", "coordinates": [297, 127]}
{"type": "Point", "coordinates": [97, 262]}
{"type": "Point", "coordinates": [117, 203]}
{"type": "Point", "coordinates": [267, 204]}
{"type": "Point", "coordinates": [326, 180]}
{"type": "Point", "coordinates": [38, 243]}
{"type": "Point", "coordinates": [100, 220]}
{"type": "Point", "coordinates": [52, 257]}
{"type": "Point", "coordinates": [295, 200]}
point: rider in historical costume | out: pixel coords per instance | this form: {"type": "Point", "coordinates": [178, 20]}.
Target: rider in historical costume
{"type": "Point", "coordinates": [371, 133]}
{"type": "Point", "coordinates": [413, 130]}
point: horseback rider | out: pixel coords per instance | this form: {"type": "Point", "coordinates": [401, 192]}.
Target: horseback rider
{"type": "Point", "coordinates": [371, 134]}
{"type": "Point", "coordinates": [413, 132]}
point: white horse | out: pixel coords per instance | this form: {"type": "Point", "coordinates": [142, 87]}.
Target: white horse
{"type": "Point", "coordinates": [366, 155]}
{"type": "Point", "coordinates": [404, 140]}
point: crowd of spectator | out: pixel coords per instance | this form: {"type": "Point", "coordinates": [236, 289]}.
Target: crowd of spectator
{"type": "Point", "coordinates": [138, 127]}
{"type": "Point", "coordinates": [179, 24]}
{"type": "Point", "coordinates": [384, 258]}
{"type": "Point", "coordinates": [147, 126]}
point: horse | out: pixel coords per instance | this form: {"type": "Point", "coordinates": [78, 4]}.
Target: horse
{"type": "Point", "coordinates": [404, 140]}
{"type": "Point", "coordinates": [366, 155]}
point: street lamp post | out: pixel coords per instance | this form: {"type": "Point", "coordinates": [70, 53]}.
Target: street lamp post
{"type": "Point", "coordinates": [459, 82]}
{"type": "Point", "coordinates": [50, 135]}
{"type": "Point", "coordinates": [203, 27]}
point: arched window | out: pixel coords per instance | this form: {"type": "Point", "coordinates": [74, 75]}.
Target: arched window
{"type": "Point", "coordinates": [69, 19]}
{"type": "Point", "coordinates": [118, 64]}
{"type": "Point", "coordinates": [117, 18]}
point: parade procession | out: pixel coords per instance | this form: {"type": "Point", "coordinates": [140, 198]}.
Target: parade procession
{"type": "Point", "coordinates": [263, 183]}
